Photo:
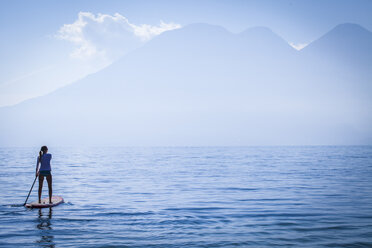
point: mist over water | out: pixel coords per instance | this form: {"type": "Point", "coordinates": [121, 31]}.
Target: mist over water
{"type": "Point", "coordinates": [314, 196]}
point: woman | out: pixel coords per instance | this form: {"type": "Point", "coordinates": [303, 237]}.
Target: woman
{"type": "Point", "coordinates": [44, 160]}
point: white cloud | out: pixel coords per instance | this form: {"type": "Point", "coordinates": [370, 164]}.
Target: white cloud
{"type": "Point", "coordinates": [107, 36]}
{"type": "Point", "coordinates": [298, 46]}
{"type": "Point", "coordinates": [146, 32]}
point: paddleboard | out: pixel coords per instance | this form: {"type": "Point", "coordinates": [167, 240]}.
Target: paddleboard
{"type": "Point", "coordinates": [56, 200]}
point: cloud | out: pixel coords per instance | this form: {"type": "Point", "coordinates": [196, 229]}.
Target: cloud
{"type": "Point", "coordinates": [298, 46]}
{"type": "Point", "coordinates": [107, 36]}
{"type": "Point", "coordinates": [146, 32]}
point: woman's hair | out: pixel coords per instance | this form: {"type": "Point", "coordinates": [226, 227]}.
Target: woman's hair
{"type": "Point", "coordinates": [43, 150]}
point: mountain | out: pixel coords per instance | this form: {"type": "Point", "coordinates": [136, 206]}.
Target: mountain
{"type": "Point", "coordinates": [348, 44]}
{"type": "Point", "coordinates": [202, 85]}
{"type": "Point", "coordinates": [262, 38]}
{"type": "Point", "coordinates": [341, 60]}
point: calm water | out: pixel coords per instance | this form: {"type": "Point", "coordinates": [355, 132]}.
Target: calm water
{"type": "Point", "coordinates": [192, 197]}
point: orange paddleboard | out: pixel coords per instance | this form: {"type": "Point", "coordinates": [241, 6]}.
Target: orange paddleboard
{"type": "Point", "coordinates": [56, 200]}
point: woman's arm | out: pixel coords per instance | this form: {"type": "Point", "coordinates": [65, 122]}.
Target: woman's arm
{"type": "Point", "coordinates": [37, 166]}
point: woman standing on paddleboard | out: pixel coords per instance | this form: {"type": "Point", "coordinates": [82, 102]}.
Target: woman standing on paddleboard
{"type": "Point", "coordinates": [44, 160]}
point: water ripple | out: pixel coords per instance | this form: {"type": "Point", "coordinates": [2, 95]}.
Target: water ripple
{"type": "Point", "coordinates": [192, 197]}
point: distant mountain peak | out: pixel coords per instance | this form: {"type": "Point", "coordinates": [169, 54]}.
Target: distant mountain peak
{"type": "Point", "coordinates": [257, 30]}
{"type": "Point", "coordinates": [195, 32]}
{"type": "Point", "coordinates": [347, 43]}
{"type": "Point", "coordinates": [203, 28]}
{"type": "Point", "coordinates": [265, 37]}
{"type": "Point", "coordinates": [347, 27]}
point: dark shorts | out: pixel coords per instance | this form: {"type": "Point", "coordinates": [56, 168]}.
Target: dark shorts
{"type": "Point", "coordinates": [45, 173]}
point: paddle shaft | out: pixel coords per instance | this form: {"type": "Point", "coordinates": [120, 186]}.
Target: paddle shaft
{"type": "Point", "coordinates": [30, 191]}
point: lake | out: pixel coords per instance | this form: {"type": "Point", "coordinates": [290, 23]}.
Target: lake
{"type": "Point", "coordinates": [309, 196]}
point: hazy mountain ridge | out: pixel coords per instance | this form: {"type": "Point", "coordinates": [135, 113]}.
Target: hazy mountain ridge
{"type": "Point", "coordinates": [349, 43]}
{"type": "Point", "coordinates": [202, 85]}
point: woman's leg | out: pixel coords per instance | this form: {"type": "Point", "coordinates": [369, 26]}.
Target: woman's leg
{"type": "Point", "coordinates": [41, 180]}
{"type": "Point", "coordinates": [49, 180]}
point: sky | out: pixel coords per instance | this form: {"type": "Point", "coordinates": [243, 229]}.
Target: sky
{"type": "Point", "coordinates": [48, 44]}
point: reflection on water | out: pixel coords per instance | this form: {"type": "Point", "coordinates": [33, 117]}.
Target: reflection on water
{"type": "Point", "coordinates": [45, 227]}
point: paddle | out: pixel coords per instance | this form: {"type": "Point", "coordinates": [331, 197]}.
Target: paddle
{"type": "Point", "coordinates": [30, 191]}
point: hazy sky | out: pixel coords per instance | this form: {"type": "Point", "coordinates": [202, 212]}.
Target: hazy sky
{"type": "Point", "coordinates": [39, 55]}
